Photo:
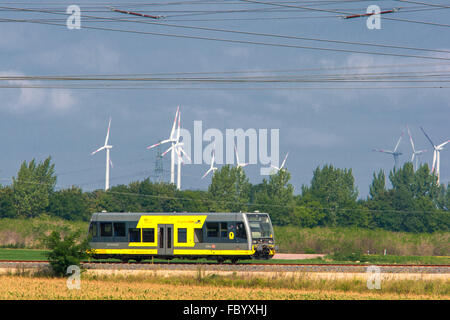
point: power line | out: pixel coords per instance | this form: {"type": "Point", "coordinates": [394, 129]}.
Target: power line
{"type": "Point", "coordinates": [426, 4]}
{"type": "Point", "coordinates": [262, 71]}
{"type": "Point", "coordinates": [244, 41]}
{"type": "Point", "coordinates": [407, 76]}
{"type": "Point", "coordinates": [292, 37]}
{"type": "Point", "coordinates": [342, 12]}
{"type": "Point", "coordinates": [110, 87]}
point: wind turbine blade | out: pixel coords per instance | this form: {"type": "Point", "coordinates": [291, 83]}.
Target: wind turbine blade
{"type": "Point", "coordinates": [154, 145]}
{"type": "Point", "coordinates": [107, 133]}
{"type": "Point", "coordinates": [237, 156]}
{"type": "Point", "coordinates": [398, 142]}
{"type": "Point", "coordinates": [434, 161]}
{"type": "Point", "coordinates": [185, 154]}
{"type": "Point", "coordinates": [209, 170]}
{"type": "Point", "coordinates": [429, 139]}
{"type": "Point", "coordinates": [443, 144]}
{"type": "Point", "coordinates": [172, 132]}
{"type": "Point", "coordinates": [411, 139]}
{"type": "Point", "coordinates": [284, 161]}
{"type": "Point", "coordinates": [413, 155]}
{"type": "Point", "coordinates": [159, 143]}
{"type": "Point", "coordinates": [276, 168]}
{"type": "Point", "coordinates": [178, 132]}
{"type": "Point", "coordinates": [111, 163]}
{"type": "Point", "coordinates": [177, 150]}
{"type": "Point", "coordinates": [165, 152]}
{"type": "Point", "coordinates": [101, 148]}
{"type": "Point", "coordinates": [384, 151]}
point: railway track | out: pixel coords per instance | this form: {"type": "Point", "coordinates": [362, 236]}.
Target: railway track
{"type": "Point", "coordinates": [242, 267]}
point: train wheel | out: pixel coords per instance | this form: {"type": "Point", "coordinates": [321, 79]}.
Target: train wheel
{"type": "Point", "coordinates": [234, 260]}
{"type": "Point", "coordinates": [220, 260]}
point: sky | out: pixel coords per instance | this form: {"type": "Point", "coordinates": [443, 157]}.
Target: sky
{"type": "Point", "coordinates": [319, 122]}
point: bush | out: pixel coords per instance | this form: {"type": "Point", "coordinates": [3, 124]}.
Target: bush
{"type": "Point", "coordinates": [66, 251]}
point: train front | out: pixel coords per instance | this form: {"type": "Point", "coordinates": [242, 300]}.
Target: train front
{"type": "Point", "coordinates": [262, 236]}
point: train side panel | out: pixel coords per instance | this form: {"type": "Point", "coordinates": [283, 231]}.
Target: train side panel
{"type": "Point", "coordinates": [140, 236]}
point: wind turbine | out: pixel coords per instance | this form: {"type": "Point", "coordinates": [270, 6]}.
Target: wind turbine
{"type": "Point", "coordinates": [108, 160]}
{"type": "Point", "coordinates": [415, 153]}
{"type": "Point", "coordinates": [282, 164]}
{"type": "Point", "coordinates": [177, 147]}
{"type": "Point", "coordinates": [395, 153]}
{"type": "Point", "coordinates": [171, 140]}
{"type": "Point", "coordinates": [211, 168]}
{"type": "Point", "coordinates": [436, 154]}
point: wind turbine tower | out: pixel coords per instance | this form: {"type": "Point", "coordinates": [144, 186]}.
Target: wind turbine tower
{"type": "Point", "coordinates": [108, 160]}
{"type": "Point", "coordinates": [436, 155]}
{"type": "Point", "coordinates": [415, 153]}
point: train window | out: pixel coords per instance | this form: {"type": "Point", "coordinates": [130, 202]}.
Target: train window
{"type": "Point", "coordinates": [119, 229]}
{"type": "Point", "coordinates": [135, 234]}
{"type": "Point", "coordinates": [224, 230]}
{"type": "Point", "coordinates": [106, 229]}
{"type": "Point", "coordinates": [240, 231]}
{"type": "Point", "coordinates": [182, 235]}
{"type": "Point", "coordinates": [169, 238]}
{"type": "Point", "coordinates": [93, 229]}
{"type": "Point", "coordinates": [212, 229]}
{"type": "Point", "coordinates": [161, 237]}
{"type": "Point", "coordinates": [198, 235]}
{"type": "Point", "coordinates": [148, 235]}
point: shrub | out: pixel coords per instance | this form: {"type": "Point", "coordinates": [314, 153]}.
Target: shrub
{"type": "Point", "coordinates": [67, 251]}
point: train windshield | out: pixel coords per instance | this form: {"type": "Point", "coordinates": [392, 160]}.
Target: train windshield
{"type": "Point", "coordinates": [260, 226]}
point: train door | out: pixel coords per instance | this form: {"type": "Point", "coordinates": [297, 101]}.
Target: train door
{"type": "Point", "coordinates": [165, 239]}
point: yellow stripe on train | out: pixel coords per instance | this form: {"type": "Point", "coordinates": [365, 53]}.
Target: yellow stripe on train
{"type": "Point", "coordinates": [179, 252]}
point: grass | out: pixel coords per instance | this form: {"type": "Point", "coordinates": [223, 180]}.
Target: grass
{"type": "Point", "coordinates": [211, 287]}
{"type": "Point", "coordinates": [330, 240]}
{"type": "Point", "coordinates": [28, 233]}
{"type": "Point", "coordinates": [23, 254]}
{"type": "Point", "coordinates": [39, 254]}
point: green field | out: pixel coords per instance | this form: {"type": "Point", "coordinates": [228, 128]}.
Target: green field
{"type": "Point", "coordinates": [23, 254]}
{"type": "Point", "coordinates": [38, 254]}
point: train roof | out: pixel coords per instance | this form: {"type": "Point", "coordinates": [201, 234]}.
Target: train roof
{"type": "Point", "coordinates": [134, 216]}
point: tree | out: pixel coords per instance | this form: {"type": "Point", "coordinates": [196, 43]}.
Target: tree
{"type": "Point", "coordinates": [229, 189]}
{"type": "Point", "coordinates": [7, 209]}
{"type": "Point", "coordinates": [66, 251]}
{"type": "Point", "coordinates": [276, 196]}
{"type": "Point", "coordinates": [69, 204]}
{"type": "Point", "coordinates": [378, 186]}
{"type": "Point", "coordinates": [335, 190]}
{"type": "Point", "coordinates": [33, 186]}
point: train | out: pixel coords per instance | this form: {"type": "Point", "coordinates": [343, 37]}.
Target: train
{"type": "Point", "coordinates": [214, 236]}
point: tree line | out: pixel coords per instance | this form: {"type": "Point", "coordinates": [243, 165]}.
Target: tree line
{"type": "Point", "coordinates": [413, 203]}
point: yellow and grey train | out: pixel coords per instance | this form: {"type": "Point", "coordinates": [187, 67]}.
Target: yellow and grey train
{"type": "Point", "coordinates": [214, 236]}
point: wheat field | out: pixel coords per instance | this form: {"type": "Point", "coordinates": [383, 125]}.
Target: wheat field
{"type": "Point", "coordinates": [18, 287]}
